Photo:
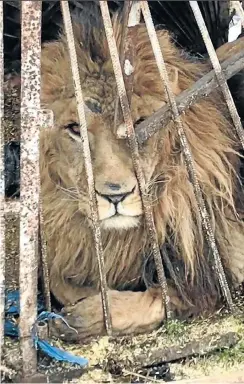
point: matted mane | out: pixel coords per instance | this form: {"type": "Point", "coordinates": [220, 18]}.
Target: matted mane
{"type": "Point", "coordinates": [128, 261]}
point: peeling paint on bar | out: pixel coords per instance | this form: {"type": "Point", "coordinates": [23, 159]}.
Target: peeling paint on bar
{"type": "Point", "coordinates": [187, 153]}
{"type": "Point", "coordinates": [147, 206]}
{"type": "Point", "coordinates": [30, 181]}
{"type": "Point", "coordinates": [2, 189]}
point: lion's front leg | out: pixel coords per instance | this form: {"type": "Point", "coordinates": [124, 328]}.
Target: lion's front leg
{"type": "Point", "coordinates": [67, 293]}
{"type": "Point", "coordinates": [131, 313]}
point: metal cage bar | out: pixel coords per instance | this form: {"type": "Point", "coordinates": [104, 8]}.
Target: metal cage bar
{"type": "Point", "coordinates": [218, 71]}
{"type": "Point", "coordinates": [134, 151]}
{"type": "Point", "coordinates": [131, 20]}
{"type": "Point", "coordinates": [187, 152]}
{"type": "Point", "coordinates": [29, 200]}
{"type": "Point", "coordinates": [87, 161]}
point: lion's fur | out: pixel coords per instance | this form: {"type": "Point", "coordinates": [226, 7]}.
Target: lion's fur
{"type": "Point", "coordinates": [71, 253]}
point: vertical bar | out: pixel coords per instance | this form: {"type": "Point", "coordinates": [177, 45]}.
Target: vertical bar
{"type": "Point", "coordinates": [218, 71]}
{"type": "Point", "coordinates": [47, 122]}
{"type": "Point", "coordinates": [132, 13]}
{"type": "Point", "coordinates": [128, 64]}
{"type": "Point", "coordinates": [29, 195]}
{"type": "Point", "coordinates": [126, 11]}
{"type": "Point", "coordinates": [2, 191]}
{"type": "Point", "coordinates": [206, 223]}
{"type": "Point", "coordinates": [88, 163]}
{"type": "Point", "coordinates": [130, 132]}
{"type": "Point", "coordinates": [135, 14]}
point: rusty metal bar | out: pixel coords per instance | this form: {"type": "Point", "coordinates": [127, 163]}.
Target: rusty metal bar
{"type": "Point", "coordinates": [29, 195]}
{"type": "Point", "coordinates": [218, 71]}
{"type": "Point", "coordinates": [128, 64]}
{"type": "Point", "coordinates": [47, 122]}
{"type": "Point", "coordinates": [134, 151]}
{"type": "Point", "coordinates": [187, 153]}
{"type": "Point", "coordinates": [2, 191]}
{"type": "Point", "coordinates": [132, 13]}
{"type": "Point", "coordinates": [43, 255]}
{"type": "Point", "coordinates": [87, 161]}
{"type": "Point", "coordinates": [135, 14]}
{"type": "Point", "coordinates": [126, 11]}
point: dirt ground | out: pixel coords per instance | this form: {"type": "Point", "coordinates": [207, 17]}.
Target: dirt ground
{"type": "Point", "coordinates": [175, 352]}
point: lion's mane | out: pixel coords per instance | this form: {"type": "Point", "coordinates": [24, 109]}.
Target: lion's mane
{"type": "Point", "coordinates": [128, 259]}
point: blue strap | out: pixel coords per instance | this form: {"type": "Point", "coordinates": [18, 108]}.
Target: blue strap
{"type": "Point", "coordinates": [11, 329]}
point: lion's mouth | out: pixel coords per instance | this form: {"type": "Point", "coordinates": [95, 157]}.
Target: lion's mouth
{"type": "Point", "coordinates": [118, 221]}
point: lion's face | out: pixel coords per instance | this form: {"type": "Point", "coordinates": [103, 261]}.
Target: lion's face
{"type": "Point", "coordinates": [117, 191]}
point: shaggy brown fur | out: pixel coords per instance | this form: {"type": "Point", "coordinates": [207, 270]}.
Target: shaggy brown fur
{"type": "Point", "coordinates": [74, 273]}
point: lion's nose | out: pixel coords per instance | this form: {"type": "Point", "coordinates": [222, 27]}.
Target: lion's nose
{"type": "Point", "coordinates": [115, 199]}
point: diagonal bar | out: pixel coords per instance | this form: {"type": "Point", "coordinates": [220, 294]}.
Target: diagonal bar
{"type": "Point", "coordinates": [218, 71]}
{"type": "Point", "coordinates": [200, 89]}
{"type": "Point", "coordinates": [87, 161]}
{"type": "Point", "coordinates": [187, 153]}
{"type": "Point", "coordinates": [134, 151]}
{"type": "Point", "coordinates": [29, 192]}
{"type": "Point", "coordinates": [2, 191]}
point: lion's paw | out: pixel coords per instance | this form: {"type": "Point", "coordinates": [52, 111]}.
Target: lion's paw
{"type": "Point", "coordinates": [80, 321]}
{"type": "Point", "coordinates": [131, 312]}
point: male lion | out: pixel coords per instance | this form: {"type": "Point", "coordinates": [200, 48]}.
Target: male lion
{"type": "Point", "coordinates": [134, 294]}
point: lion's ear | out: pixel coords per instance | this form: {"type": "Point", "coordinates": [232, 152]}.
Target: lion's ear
{"type": "Point", "coordinates": [173, 74]}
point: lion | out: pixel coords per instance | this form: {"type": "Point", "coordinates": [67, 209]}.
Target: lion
{"type": "Point", "coordinates": [134, 294]}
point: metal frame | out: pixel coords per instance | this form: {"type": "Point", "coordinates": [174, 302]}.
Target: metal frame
{"type": "Point", "coordinates": [33, 118]}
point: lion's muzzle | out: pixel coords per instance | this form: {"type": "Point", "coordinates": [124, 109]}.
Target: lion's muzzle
{"type": "Point", "coordinates": [119, 210]}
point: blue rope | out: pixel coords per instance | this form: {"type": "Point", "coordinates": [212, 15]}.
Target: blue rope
{"type": "Point", "coordinates": [11, 329]}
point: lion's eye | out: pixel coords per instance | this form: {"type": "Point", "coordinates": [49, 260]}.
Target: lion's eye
{"type": "Point", "coordinates": [73, 128]}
